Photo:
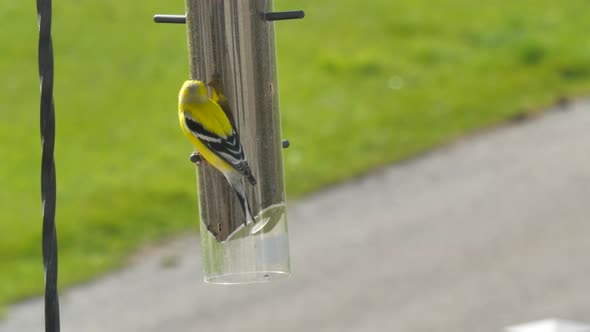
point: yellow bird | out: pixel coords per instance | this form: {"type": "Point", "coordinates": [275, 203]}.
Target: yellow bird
{"type": "Point", "coordinates": [214, 136]}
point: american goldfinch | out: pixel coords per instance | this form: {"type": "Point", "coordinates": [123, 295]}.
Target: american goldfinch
{"type": "Point", "coordinates": [214, 135]}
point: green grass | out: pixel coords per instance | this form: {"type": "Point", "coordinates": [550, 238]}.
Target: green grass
{"type": "Point", "coordinates": [363, 84]}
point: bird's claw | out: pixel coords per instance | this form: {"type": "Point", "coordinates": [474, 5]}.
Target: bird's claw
{"type": "Point", "coordinates": [196, 158]}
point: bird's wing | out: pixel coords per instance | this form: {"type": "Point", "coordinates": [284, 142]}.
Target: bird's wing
{"type": "Point", "coordinates": [227, 147]}
{"type": "Point", "coordinates": [218, 97]}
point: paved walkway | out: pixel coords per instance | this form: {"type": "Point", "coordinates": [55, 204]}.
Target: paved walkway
{"type": "Point", "coordinates": [486, 233]}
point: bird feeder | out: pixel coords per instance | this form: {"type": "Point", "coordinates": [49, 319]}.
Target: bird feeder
{"type": "Point", "coordinates": [232, 48]}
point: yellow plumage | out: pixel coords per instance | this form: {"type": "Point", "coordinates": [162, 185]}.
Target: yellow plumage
{"type": "Point", "coordinates": [206, 113]}
{"type": "Point", "coordinates": [210, 130]}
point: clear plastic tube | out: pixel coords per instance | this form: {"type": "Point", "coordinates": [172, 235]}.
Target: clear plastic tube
{"type": "Point", "coordinates": [247, 258]}
{"type": "Point", "coordinates": [232, 46]}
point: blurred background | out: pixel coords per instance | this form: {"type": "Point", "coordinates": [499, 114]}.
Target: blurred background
{"type": "Point", "coordinates": [363, 85]}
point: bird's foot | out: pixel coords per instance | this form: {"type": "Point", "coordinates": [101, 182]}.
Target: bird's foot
{"type": "Point", "coordinates": [196, 158]}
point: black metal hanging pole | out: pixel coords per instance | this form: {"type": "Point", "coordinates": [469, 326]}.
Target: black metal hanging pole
{"type": "Point", "coordinates": [48, 166]}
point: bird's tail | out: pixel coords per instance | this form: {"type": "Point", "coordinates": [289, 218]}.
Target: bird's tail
{"type": "Point", "coordinates": [237, 183]}
{"type": "Point", "coordinates": [245, 207]}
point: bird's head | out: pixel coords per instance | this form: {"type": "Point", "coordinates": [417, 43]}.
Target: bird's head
{"type": "Point", "coordinates": [193, 91]}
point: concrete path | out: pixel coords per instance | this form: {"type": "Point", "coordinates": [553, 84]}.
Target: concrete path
{"type": "Point", "coordinates": [486, 233]}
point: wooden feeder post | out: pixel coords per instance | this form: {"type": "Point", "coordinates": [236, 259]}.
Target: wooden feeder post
{"type": "Point", "coordinates": [232, 47]}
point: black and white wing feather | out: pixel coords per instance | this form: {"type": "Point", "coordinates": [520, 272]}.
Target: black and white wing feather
{"type": "Point", "coordinates": [227, 148]}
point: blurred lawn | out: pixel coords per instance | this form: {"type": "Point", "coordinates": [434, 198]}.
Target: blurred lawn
{"type": "Point", "coordinates": [363, 84]}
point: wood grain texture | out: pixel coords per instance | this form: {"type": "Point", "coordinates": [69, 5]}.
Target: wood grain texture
{"type": "Point", "coordinates": [231, 44]}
